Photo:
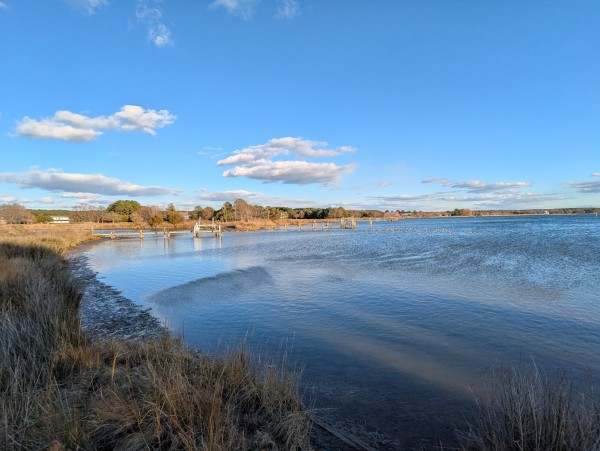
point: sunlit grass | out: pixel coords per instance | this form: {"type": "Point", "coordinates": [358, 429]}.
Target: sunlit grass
{"type": "Point", "coordinates": [58, 390]}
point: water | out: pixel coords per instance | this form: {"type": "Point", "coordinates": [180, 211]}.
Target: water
{"type": "Point", "coordinates": [393, 326]}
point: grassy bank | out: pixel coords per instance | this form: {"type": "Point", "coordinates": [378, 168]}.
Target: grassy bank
{"type": "Point", "coordinates": [58, 390]}
{"type": "Point", "coordinates": [522, 408]}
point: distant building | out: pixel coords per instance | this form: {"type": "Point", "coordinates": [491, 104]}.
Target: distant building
{"type": "Point", "coordinates": [60, 219]}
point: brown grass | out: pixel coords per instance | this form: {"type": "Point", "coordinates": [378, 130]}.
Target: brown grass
{"type": "Point", "coordinates": [522, 408]}
{"type": "Point", "coordinates": [58, 237]}
{"type": "Point", "coordinates": [60, 391]}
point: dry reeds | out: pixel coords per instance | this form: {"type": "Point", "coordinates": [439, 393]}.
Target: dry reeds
{"type": "Point", "coordinates": [58, 237]}
{"type": "Point", "coordinates": [521, 408]}
{"type": "Point", "coordinates": [59, 391]}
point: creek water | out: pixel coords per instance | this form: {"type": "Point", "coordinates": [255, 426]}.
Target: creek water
{"type": "Point", "coordinates": [393, 326]}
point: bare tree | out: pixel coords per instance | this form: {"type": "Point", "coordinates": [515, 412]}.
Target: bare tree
{"type": "Point", "coordinates": [16, 214]}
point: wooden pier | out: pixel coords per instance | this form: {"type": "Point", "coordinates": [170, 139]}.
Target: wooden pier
{"type": "Point", "coordinates": [214, 229]}
{"type": "Point", "coordinates": [348, 223]}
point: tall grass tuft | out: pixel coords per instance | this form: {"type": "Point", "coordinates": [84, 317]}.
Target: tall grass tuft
{"type": "Point", "coordinates": [58, 390]}
{"type": "Point", "coordinates": [39, 302]}
{"type": "Point", "coordinates": [522, 408]}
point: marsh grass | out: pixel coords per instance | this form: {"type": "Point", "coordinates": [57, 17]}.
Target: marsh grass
{"type": "Point", "coordinates": [523, 408]}
{"type": "Point", "coordinates": [60, 391]}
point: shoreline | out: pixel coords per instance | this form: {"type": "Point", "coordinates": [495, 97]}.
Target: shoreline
{"type": "Point", "coordinates": [107, 314]}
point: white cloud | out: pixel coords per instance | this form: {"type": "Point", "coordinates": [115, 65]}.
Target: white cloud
{"type": "Point", "coordinates": [151, 16]}
{"type": "Point", "coordinates": [7, 199]}
{"type": "Point", "coordinates": [288, 9]}
{"type": "Point", "coordinates": [256, 162]}
{"type": "Point", "coordinates": [136, 119]}
{"type": "Point", "coordinates": [242, 8]}
{"type": "Point", "coordinates": [88, 6]}
{"type": "Point", "coordinates": [3, 5]}
{"type": "Point", "coordinates": [68, 126]}
{"type": "Point", "coordinates": [84, 122]}
{"type": "Point", "coordinates": [52, 129]}
{"type": "Point", "coordinates": [56, 180]}
{"type": "Point", "coordinates": [292, 172]}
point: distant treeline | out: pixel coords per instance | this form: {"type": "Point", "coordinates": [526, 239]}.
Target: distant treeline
{"type": "Point", "coordinates": [238, 210]}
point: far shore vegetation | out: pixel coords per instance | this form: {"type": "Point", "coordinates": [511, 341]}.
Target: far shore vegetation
{"type": "Point", "coordinates": [59, 390]}
{"type": "Point", "coordinates": [238, 214]}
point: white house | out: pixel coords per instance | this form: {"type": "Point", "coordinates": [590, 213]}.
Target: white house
{"type": "Point", "coordinates": [60, 219]}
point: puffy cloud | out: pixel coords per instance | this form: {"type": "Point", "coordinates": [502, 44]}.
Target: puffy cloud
{"type": "Point", "coordinates": [292, 172]}
{"type": "Point", "coordinates": [136, 119]}
{"type": "Point", "coordinates": [283, 146]}
{"type": "Point", "coordinates": [57, 180]}
{"type": "Point", "coordinates": [158, 33]}
{"type": "Point", "coordinates": [242, 8]}
{"type": "Point", "coordinates": [68, 126]}
{"type": "Point", "coordinates": [592, 186]}
{"type": "Point", "coordinates": [88, 6]}
{"type": "Point", "coordinates": [256, 162]}
{"type": "Point", "coordinates": [288, 9]}
{"type": "Point", "coordinates": [83, 122]}
{"type": "Point", "coordinates": [52, 129]}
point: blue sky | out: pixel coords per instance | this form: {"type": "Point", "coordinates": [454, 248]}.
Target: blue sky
{"type": "Point", "coordinates": [388, 104]}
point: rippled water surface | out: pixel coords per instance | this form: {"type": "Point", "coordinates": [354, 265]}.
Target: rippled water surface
{"type": "Point", "coordinates": [394, 325]}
